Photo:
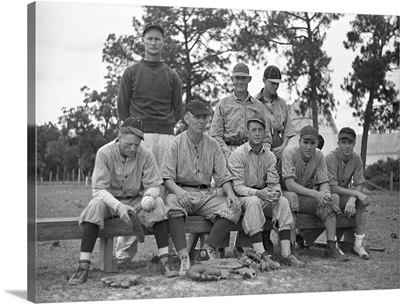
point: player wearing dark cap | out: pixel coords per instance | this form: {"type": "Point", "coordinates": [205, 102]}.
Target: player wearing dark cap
{"type": "Point", "coordinates": [305, 178]}
{"type": "Point", "coordinates": [278, 120]}
{"type": "Point", "coordinates": [346, 178]}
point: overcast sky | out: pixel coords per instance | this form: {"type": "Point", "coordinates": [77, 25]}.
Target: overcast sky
{"type": "Point", "coordinates": [13, 126]}
{"type": "Point", "coordinates": [70, 39]}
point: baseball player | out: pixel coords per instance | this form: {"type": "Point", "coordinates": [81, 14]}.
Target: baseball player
{"type": "Point", "coordinates": [256, 182]}
{"type": "Point", "coordinates": [193, 159]}
{"type": "Point", "coordinates": [152, 91]}
{"type": "Point", "coordinates": [228, 125]}
{"type": "Point", "coordinates": [278, 120]}
{"type": "Point", "coordinates": [305, 177]}
{"type": "Point", "coordinates": [345, 169]}
{"type": "Point", "coordinates": [123, 168]}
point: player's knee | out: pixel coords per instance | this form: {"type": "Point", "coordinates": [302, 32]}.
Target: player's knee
{"type": "Point", "coordinates": [335, 198]}
{"type": "Point", "coordinates": [293, 200]}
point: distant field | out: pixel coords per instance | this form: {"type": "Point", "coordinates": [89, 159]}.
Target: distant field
{"type": "Point", "coordinates": [57, 261]}
{"type": "Point", "coordinates": [62, 200]}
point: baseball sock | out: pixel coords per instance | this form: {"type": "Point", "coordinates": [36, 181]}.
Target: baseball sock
{"type": "Point", "coordinates": [89, 236]}
{"type": "Point", "coordinates": [256, 240]}
{"type": "Point", "coordinates": [284, 236]}
{"type": "Point", "coordinates": [161, 233]}
{"type": "Point", "coordinates": [220, 229]}
{"type": "Point", "coordinates": [176, 226]}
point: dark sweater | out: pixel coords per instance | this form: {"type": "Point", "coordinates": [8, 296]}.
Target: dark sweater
{"type": "Point", "coordinates": [152, 91]}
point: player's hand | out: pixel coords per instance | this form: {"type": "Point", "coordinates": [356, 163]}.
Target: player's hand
{"type": "Point", "coordinates": [233, 201]}
{"type": "Point", "coordinates": [350, 208]}
{"type": "Point", "coordinates": [322, 197]}
{"type": "Point", "coordinates": [184, 198]}
{"type": "Point", "coordinates": [267, 195]}
{"type": "Point", "coordinates": [124, 213]}
{"type": "Point", "coordinates": [278, 151]}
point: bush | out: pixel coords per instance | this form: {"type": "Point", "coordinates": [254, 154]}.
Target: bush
{"type": "Point", "coordinates": [379, 173]}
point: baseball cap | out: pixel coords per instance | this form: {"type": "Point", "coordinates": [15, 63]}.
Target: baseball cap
{"type": "Point", "coordinates": [309, 132]}
{"type": "Point", "coordinates": [241, 70]}
{"type": "Point", "coordinates": [197, 107]}
{"type": "Point", "coordinates": [257, 118]}
{"type": "Point", "coordinates": [135, 125]}
{"type": "Point", "coordinates": [153, 26]}
{"type": "Point", "coordinates": [347, 132]}
{"type": "Point", "coordinates": [273, 74]}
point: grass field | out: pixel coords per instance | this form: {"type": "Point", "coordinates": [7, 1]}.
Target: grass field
{"type": "Point", "coordinates": [56, 262]}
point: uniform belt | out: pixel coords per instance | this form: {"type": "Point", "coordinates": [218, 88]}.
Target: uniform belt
{"type": "Point", "coordinates": [200, 187]}
{"type": "Point", "coordinates": [235, 143]}
{"type": "Point", "coordinates": [125, 197]}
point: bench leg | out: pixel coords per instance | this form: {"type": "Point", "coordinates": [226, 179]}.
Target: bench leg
{"type": "Point", "coordinates": [191, 244]}
{"type": "Point", "coordinates": [107, 261]}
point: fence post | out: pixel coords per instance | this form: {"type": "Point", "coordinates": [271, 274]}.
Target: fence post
{"type": "Point", "coordinates": [391, 181]}
{"type": "Point", "coordinates": [51, 173]}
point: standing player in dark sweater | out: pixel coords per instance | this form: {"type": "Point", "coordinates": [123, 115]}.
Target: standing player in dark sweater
{"type": "Point", "coordinates": [152, 91]}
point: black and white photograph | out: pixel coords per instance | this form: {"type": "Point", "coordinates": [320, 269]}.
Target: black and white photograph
{"type": "Point", "coordinates": [206, 151]}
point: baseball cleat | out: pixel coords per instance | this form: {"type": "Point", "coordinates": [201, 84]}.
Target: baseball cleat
{"type": "Point", "coordinates": [291, 260]}
{"type": "Point", "coordinates": [269, 264]}
{"type": "Point", "coordinates": [167, 269]}
{"type": "Point", "coordinates": [81, 275]}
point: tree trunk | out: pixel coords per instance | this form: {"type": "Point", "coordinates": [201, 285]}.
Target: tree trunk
{"type": "Point", "coordinates": [367, 121]}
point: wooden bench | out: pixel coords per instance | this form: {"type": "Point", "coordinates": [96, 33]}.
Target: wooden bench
{"type": "Point", "coordinates": [54, 229]}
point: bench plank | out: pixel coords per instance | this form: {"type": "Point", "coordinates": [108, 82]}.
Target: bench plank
{"type": "Point", "coordinates": [53, 229]}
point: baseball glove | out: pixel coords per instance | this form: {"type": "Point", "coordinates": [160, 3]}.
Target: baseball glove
{"type": "Point", "coordinates": [199, 272]}
{"type": "Point", "coordinates": [137, 225]}
{"type": "Point", "coordinates": [121, 280]}
{"type": "Point", "coordinates": [250, 258]}
{"type": "Point", "coordinates": [226, 263]}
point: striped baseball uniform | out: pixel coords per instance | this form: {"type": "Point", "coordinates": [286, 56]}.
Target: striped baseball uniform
{"type": "Point", "coordinates": [195, 165]}
{"type": "Point", "coordinates": [229, 123]}
{"type": "Point", "coordinates": [251, 172]}
{"type": "Point", "coordinates": [117, 179]}
{"type": "Point", "coordinates": [308, 174]}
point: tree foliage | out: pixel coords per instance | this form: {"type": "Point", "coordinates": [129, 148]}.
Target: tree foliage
{"type": "Point", "coordinates": [299, 36]}
{"type": "Point", "coordinates": [198, 46]}
{"type": "Point", "coordinates": [374, 96]}
{"type": "Point", "coordinates": [379, 173]}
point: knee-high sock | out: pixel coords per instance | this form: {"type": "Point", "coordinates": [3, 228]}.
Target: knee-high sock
{"type": "Point", "coordinates": [284, 236]}
{"type": "Point", "coordinates": [177, 230]}
{"type": "Point", "coordinates": [89, 236]}
{"type": "Point", "coordinates": [220, 229]}
{"type": "Point", "coordinates": [161, 232]}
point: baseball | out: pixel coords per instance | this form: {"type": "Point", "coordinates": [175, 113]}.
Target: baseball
{"type": "Point", "coordinates": [148, 203]}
